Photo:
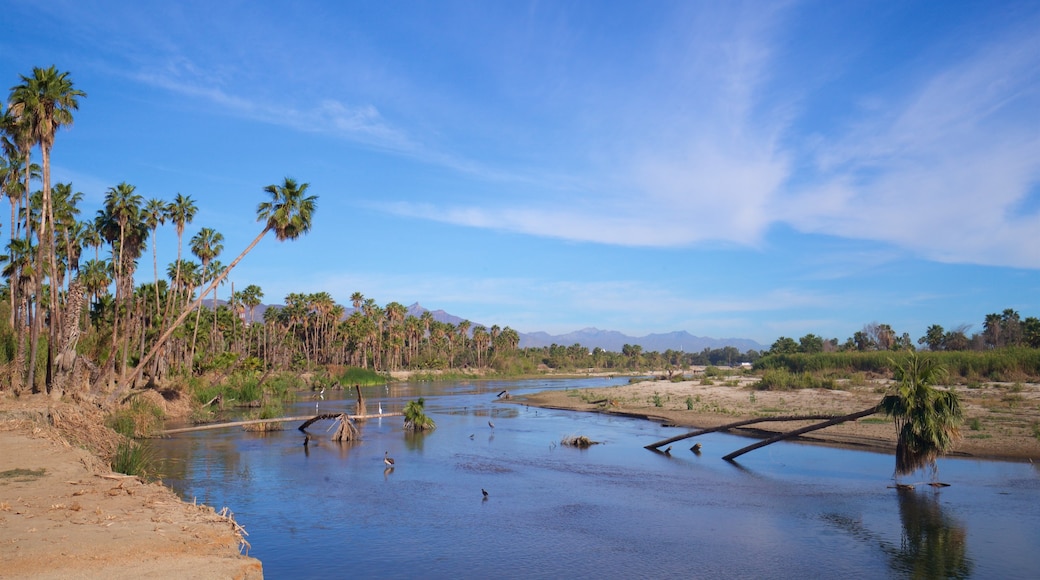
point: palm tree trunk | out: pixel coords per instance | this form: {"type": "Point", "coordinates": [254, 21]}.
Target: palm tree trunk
{"type": "Point", "coordinates": [180, 319]}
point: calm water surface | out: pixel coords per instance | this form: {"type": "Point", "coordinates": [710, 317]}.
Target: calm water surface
{"type": "Point", "coordinates": [614, 510]}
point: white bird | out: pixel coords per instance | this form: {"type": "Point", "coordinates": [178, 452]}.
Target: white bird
{"type": "Point", "coordinates": [380, 408]}
{"type": "Point", "coordinates": [389, 461]}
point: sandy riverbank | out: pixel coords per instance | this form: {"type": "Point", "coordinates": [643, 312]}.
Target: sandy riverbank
{"type": "Point", "coordinates": [64, 514]}
{"type": "Point", "coordinates": [1001, 419]}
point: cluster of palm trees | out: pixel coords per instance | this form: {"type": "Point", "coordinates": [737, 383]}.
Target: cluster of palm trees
{"type": "Point", "coordinates": [311, 329]}
{"type": "Point", "coordinates": [52, 298]}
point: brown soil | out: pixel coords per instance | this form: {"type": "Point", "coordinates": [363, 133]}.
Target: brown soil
{"type": "Point", "coordinates": [1002, 420]}
{"type": "Point", "coordinates": [64, 514]}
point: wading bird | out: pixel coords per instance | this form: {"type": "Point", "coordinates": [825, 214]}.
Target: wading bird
{"type": "Point", "coordinates": [492, 425]}
{"type": "Point", "coordinates": [668, 451]}
{"type": "Point", "coordinates": [484, 491]}
{"type": "Point", "coordinates": [389, 461]}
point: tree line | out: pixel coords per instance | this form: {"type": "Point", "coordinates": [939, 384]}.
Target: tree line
{"type": "Point", "coordinates": [999, 330]}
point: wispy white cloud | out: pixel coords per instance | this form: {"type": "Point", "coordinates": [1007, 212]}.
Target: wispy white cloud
{"type": "Point", "coordinates": [942, 169]}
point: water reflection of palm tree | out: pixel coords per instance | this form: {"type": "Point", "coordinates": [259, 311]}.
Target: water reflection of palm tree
{"type": "Point", "coordinates": [932, 544]}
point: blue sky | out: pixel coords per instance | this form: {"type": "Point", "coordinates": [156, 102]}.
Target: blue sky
{"type": "Point", "coordinates": [731, 169]}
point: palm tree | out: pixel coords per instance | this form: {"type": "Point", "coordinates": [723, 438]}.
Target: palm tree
{"type": "Point", "coordinates": [120, 224]}
{"type": "Point", "coordinates": [181, 212]}
{"type": "Point", "coordinates": [288, 214]}
{"type": "Point", "coordinates": [18, 269]}
{"type": "Point", "coordinates": [155, 213]}
{"type": "Point", "coordinates": [206, 245]}
{"type": "Point", "coordinates": [44, 102]}
{"type": "Point", "coordinates": [926, 418]}
{"type": "Point", "coordinates": [415, 418]}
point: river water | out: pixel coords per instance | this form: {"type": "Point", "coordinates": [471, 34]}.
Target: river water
{"type": "Point", "coordinates": [613, 510]}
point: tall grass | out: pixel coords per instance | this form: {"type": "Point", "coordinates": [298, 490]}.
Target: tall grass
{"type": "Point", "coordinates": [134, 458]}
{"type": "Point", "coordinates": [1005, 364]}
{"type": "Point", "coordinates": [140, 419]}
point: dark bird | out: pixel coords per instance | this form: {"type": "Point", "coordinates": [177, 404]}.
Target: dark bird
{"type": "Point", "coordinates": [306, 440]}
{"type": "Point", "coordinates": [484, 491]}
{"type": "Point", "coordinates": [668, 451]}
{"type": "Point", "coordinates": [471, 435]}
{"type": "Point", "coordinates": [389, 461]}
{"type": "Point", "coordinates": [492, 425]}
{"type": "Point", "coordinates": [696, 448]}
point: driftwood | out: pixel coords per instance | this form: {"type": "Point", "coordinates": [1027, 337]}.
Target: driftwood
{"type": "Point", "coordinates": [828, 421]}
{"type": "Point", "coordinates": [735, 424]}
{"type": "Point", "coordinates": [323, 416]}
{"type": "Point", "coordinates": [797, 432]}
{"type": "Point", "coordinates": [278, 420]}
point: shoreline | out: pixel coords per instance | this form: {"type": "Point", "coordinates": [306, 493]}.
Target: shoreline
{"type": "Point", "coordinates": [996, 427]}
{"type": "Point", "coordinates": [65, 514]}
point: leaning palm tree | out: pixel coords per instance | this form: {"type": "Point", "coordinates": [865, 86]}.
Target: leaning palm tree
{"type": "Point", "coordinates": [926, 418]}
{"type": "Point", "coordinates": [415, 418]}
{"type": "Point", "coordinates": [288, 214]}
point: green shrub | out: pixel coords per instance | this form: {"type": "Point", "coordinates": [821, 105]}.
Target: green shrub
{"type": "Point", "coordinates": [133, 458]}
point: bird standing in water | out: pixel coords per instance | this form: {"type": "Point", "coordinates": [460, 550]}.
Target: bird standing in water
{"type": "Point", "coordinates": [389, 461]}
{"type": "Point", "coordinates": [490, 424]}
{"type": "Point", "coordinates": [484, 491]}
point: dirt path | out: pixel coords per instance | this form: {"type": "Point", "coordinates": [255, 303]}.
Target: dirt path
{"type": "Point", "coordinates": [1002, 421]}
{"type": "Point", "coordinates": [63, 514]}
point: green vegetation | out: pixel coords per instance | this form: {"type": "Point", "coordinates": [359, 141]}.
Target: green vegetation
{"type": "Point", "coordinates": [134, 458]}
{"type": "Point", "coordinates": [926, 418]}
{"type": "Point", "coordinates": [1006, 364]}
{"type": "Point", "coordinates": [781, 379]}
{"type": "Point", "coordinates": [140, 418]}
{"type": "Point", "coordinates": [415, 418]}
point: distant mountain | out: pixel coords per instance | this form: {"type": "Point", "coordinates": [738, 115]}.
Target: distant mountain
{"type": "Point", "coordinates": [614, 341]}
{"type": "Point", "coordinates": [590, 338]}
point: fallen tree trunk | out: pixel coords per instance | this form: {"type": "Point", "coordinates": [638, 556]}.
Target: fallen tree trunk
{"type": "Point", "coordinates": [740, 423]}
{"type": "Point", "coordinates": [307, 418]}
{"type": "Point", "coordinates": [797, 432]}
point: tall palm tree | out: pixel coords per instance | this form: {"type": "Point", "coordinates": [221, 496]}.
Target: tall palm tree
{"type": "Point", "coordinates": [120, 224]}
{"type": "Point", "coordinates": [181, 212]}
{"type": "Point", "coordinates": [155, 213]}
{"type": "Point", "coordinates": [207, 244]}
{"type": "Point", "coordinates": [45, 102]}
{"type": "Point", "coordinates": [288, 213]}
{"type": "Point", "coordinates": [926, 418]}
